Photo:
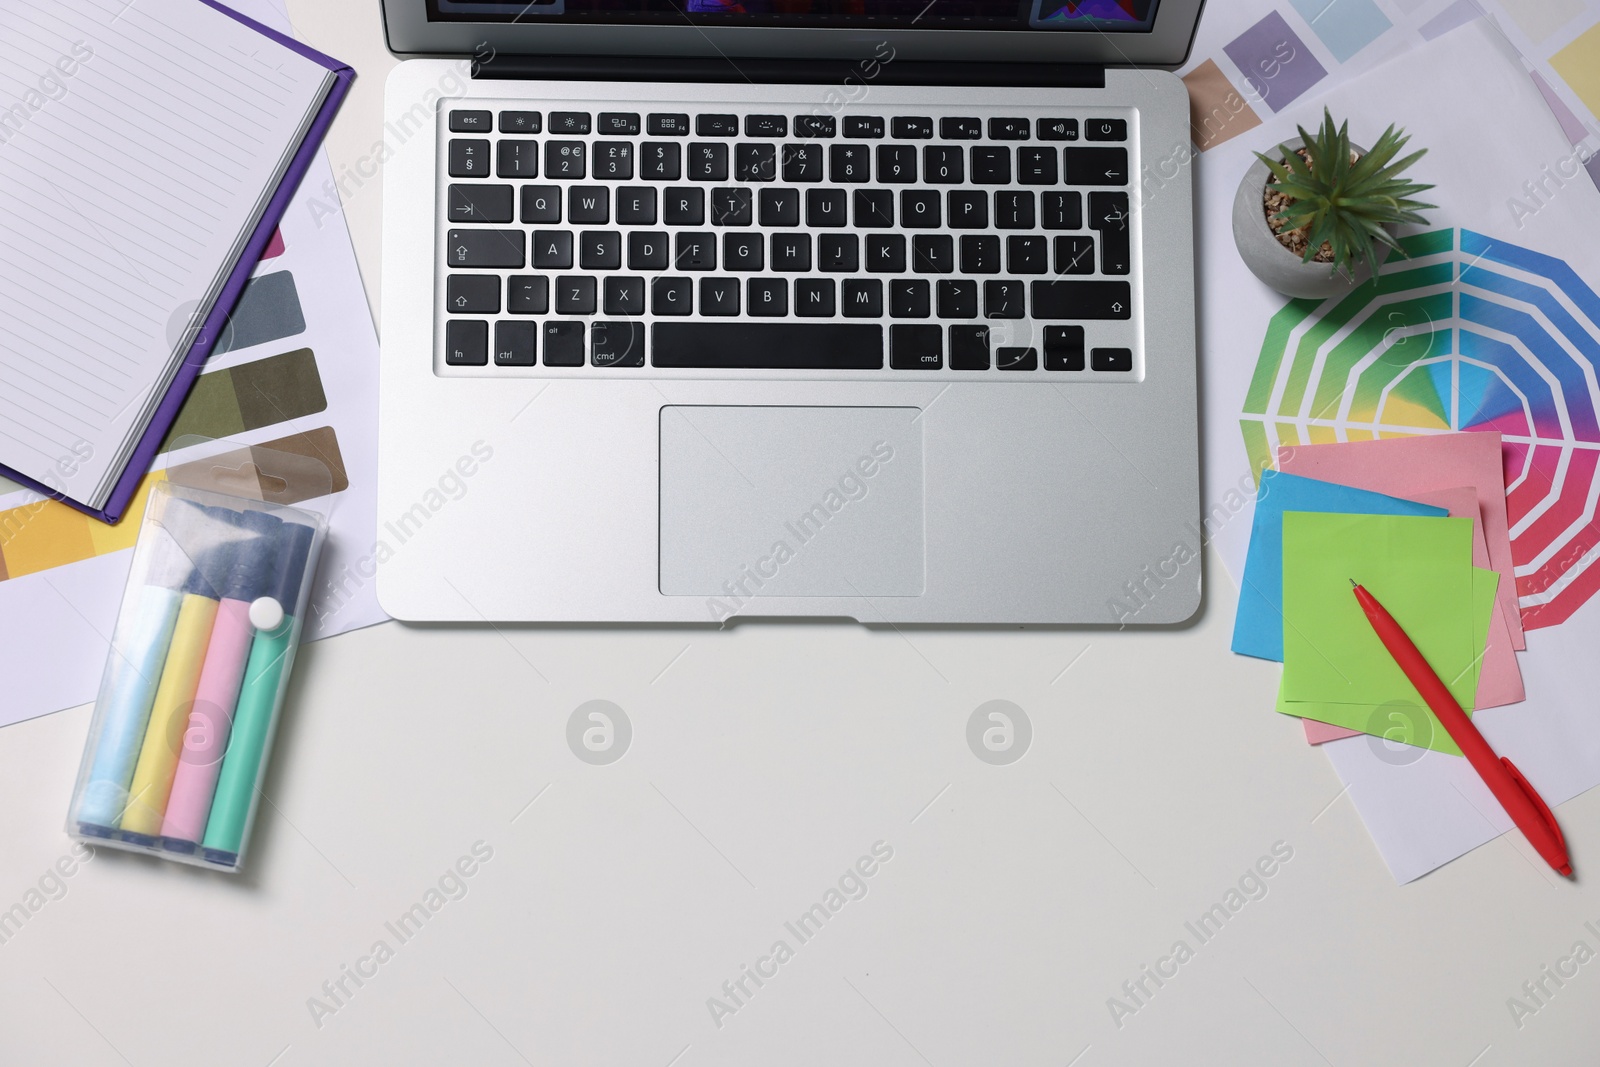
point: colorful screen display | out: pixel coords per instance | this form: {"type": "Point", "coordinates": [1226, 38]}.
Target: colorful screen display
{"type": "Point", "coordinates": [1082, 16]}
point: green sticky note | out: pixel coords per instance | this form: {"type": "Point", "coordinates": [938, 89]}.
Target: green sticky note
{"type": "Point", "coordinates": [1419, 568]}
{"type": "Point", "coordinates": [1408, 721]}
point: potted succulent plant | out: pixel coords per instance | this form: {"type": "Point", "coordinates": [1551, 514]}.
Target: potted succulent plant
{"type": "Point", "coordinates": [1311, 221]}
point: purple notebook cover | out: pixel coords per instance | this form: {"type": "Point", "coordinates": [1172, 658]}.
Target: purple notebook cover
{"type": "Point", "coordinates": [144, 452]}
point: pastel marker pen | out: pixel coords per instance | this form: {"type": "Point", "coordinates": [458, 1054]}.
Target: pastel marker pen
{"type": "Point", "coordinates": [205, 738]}
{"type": "Point", "coordinates": [270, 653]}
{"type": "Point", "coordinates": [158, 756]}
{"type": "Point", "coordinates": [143, 637]}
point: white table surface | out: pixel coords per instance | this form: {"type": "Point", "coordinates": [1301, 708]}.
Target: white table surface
{"type": "Point", "coordinates": [764, 762]}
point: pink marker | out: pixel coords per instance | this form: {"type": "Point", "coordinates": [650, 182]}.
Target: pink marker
{"type": "Point", "coordinates": [205, 738]}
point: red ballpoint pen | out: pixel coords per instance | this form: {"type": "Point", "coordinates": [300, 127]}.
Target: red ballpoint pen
{"type": "Point", "coordinates": [1525, 806]}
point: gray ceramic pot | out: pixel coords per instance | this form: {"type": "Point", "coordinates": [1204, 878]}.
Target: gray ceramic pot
{"type": "Point", "coordinates": [1274, 264]}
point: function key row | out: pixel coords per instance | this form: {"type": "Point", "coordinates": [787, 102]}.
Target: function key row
{"type": "Point", "coordinates": [868, 127]}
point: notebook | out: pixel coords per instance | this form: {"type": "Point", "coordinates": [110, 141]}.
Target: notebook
{"type": "Point", "coordinates": [148, 149]}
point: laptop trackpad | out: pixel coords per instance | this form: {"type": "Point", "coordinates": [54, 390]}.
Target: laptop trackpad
{"type": "Point", "coordinates": [791, 501]}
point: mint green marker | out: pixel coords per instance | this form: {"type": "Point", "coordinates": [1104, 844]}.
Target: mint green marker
{"type": "Point", "coordinates": [271, 652]}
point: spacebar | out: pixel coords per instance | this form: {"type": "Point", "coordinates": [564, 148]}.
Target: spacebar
{"type": "Point", "coordinates": [767, 345]}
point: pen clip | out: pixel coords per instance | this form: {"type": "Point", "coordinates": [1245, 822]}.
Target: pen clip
{"type": "Point", "coordinates": [1533, 796]}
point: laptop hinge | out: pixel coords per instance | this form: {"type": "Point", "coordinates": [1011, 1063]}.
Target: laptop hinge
{"type": "Point", "coordinates": [787, 71]}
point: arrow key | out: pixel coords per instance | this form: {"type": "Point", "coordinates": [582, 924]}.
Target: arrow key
{"type": "Point", "coordinates": [472, 294]}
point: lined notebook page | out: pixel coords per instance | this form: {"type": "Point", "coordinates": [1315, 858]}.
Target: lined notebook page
{"type": "Point", "coordinates": [139, 145]}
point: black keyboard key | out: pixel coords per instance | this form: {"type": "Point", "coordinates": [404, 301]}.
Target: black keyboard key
{"type": "Point", "coordinates": [1016, 359]}
{"type": "Point", "coordinates": [618, 123]}
{"type": "Point", "coordinates": [683, 205]}
{"type": "Point", "coordinates": [839, 253]}
{"type": "Point", "coordinates": [466, 343]}
{"type": "Point", "coordinates": [588, 203]}
{"type": "Point", "coordinates": [565, 159]}
{"type": "Point", "coordinates": [755, 162]}
{"type": "Point", "coordinates": [521, 122]}
{"type": "Point", "coordinates": [1105, 130]}
{"type": "Point", "coordinates": [814, 126]}
{"type": "Point", "coordinates": [944, 164]}
{"type": "Point", "coordinates": [991, 165]}
{"type": "Point", "coordinates": [1013, 210]}
{"type": "Point", "coordinates": [613, 160]}
{"type": "Point", "coordinates": [916, 347]}
{"type": "Point", "coordinates": [874, 209]}
{"type": "Point", "coordinates": [600, 250]}
{"type": "Point", "coordinates": [716, 125]}
{"type": "Point", "coordinates": [569, 122]}
{"type": "Point", "coordinates": [863, 126]}
{"type": "Point", "coordinates": [1063, 348]}
{"type": "Point", "coordinates": [958, 129]}
{"type": "Point", "coordinates": [480, 203]}
{"type": "Point", "coordinates": [958, 298]}
{"type": "Point", "coordinates": [766, 126]}
{"type": "Point", "coordinates": [516, 344]}
{"type": "Point", "coordinates": [622, 295]}
{"type": "Point", "coordinates": [719, 296]}
{"type": "Point", "coordinates": [863, 298]}
{"type": "Point", "coordinates": [517, 159]}
{"type": "Point", "coordinates": [1062, 211]}
{"type": "Point", "coordinates": [791, 252]}
{"type": "Point", "coordinates": [743, 251]}
{"type": "Point", "coordinates": [919, 209]}
{"type": "Point", "coordinates": [849, 162]}
{"type": "Point", "coordinates": [802, 163]}
{"type": "Point", "coordinates": [779, 207]}
{"type": "Point", "coordinates": [731, 206]}
{"type": "Point", "coordinates": [1003, 299]}
{"type": "Point", "coordinates": [1036, 165]}
{"type": "Point", "coordinates": [695, 251]}
{"type": "Point", "coordinates": [469, 159]}
{"type": "Point", "coordinates": [908, 298]}
{"type": "Point", "coordinates": [659, 160]}
{"type": "Point", "coordinates": [1027, 254]}
{"type": "Point", "coordinates": [472, 294]}
{"type": "Point", "coordinates": [1094, 166]}
{"type": "Point", "coordinates": [636, 205]}
{"type": "Point", "coordinates": [897, 163]}
{"type": "Point", "coordinates": [484, 248]}
{"type": "Point", "coordinates": [969, 209]}
{"type": "Point", "coordinates": [767, 297]}
{"type": "Point", "coordinates": [886, 253]}
{"type": "Point", "coordinates": [813, 298]}
{"type": "Point", "coordinates": [933, 253]}
{"type": "Point", "coordinates": [1108, 213]}
{"type": "Point", "coordinates": [563, 344]}
{"type": "Point", "coordinates": [672, 296]}
{"type": "Point", "coordinates": [1111, 359]}
{"type": "Point", "coordinates": [667, 125]}
{"type": "Point", "coordinates": [825, 207]}
{"type": "Point", "coordinates": [616, 344]}
{"type": "Point", "coordinates": [969, 348]}
{"type": "Point", "coordinates": [708, 162]}
{"type": "Point", "coordinates": [1008, 129]}
{"type": "Point", "coordinates": [647, 250]}
{"type": "Point", "coordinates": [911, 127]}
{"type": "Point", "coordinates": [471, 122]}
{"type": "Point", "coordinates": [767, 345]}
{"type": "Point", "coordinates": [1075, 254]}
{"type": "Point", "coordinates": [528, 294]}
{"type": "Point", "coordinates": [1057, 129]}
{"type": "Point", "coordinates": [980, 253]}
{"type": "Point", "coordinates": [541, 203]}
{"type": "Point", "coordinates": [552, 249]}
{"type": "Point", "coordinates": [575, 295]}
{"type": "Point", "coordinates": [1082, 300]}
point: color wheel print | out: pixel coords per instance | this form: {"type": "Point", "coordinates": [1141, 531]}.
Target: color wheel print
{"type": "Point", "coordinates": [1470, 333]}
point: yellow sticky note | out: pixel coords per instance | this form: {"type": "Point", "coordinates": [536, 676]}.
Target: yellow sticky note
{"type": "Point", "coordinates": [1579, 65]}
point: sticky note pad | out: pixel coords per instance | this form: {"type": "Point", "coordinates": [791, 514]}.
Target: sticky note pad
{"type": "Point", "coordinates": [1420, 569]}
{"type": "Point", "coordinates": [1258, 627]}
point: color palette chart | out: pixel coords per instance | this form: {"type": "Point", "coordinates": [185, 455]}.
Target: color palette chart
{"type": "Point", "coordinates": [1470, 333]}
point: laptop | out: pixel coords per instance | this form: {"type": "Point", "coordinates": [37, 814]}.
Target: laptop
{"type": "Point", "coordinates": [698, 311]}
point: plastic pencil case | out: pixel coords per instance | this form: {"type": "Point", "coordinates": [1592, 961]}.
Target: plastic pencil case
{"type": "Point", "coordinates": [200, 661]}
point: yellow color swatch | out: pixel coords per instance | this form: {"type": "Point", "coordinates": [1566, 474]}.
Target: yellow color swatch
{"type": "Point", "coordinates": [1579, 64]}
{"type": "Point", "coordinates": [42, 535]}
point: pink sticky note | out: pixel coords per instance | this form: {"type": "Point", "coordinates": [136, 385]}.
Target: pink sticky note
{"type": "Point", "coordinates": [1406, 466]}
{"type": "Point", "coordinates": [1318, 732]}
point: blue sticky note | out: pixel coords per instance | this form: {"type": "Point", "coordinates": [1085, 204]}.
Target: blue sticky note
{"type": "Point", "coordinates": [1258, 628]}
{"type": "Point", "coordinates": [1345, 26]}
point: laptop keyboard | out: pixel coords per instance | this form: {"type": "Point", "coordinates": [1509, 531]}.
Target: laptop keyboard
{"type": "Point", "coordinates": [910, 243]}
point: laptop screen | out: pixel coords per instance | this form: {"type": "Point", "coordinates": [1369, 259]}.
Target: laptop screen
{"type": "Point", "coordinates": [1067, 16]}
